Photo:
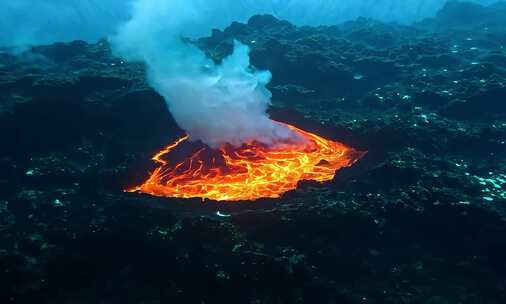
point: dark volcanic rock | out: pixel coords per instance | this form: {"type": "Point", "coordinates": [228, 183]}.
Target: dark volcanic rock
{"type": "Point", "coordinates": [475, 15]}
{"type": "Point", "coordinates": [488, 105]}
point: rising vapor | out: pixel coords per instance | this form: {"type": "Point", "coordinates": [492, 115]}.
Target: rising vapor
{"type": "Point", "coordinates": [214, 103]}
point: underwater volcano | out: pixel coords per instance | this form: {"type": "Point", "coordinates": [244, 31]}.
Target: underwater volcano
{"type": "Point", "coordinates": [249, 172]}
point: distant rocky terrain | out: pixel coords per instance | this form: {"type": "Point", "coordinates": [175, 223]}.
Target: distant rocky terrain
{"type": "Point", "coordinates": [421, 219]}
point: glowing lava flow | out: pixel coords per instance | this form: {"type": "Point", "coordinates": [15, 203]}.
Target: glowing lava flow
{"type": "Point", "coordinates": [250, 172]}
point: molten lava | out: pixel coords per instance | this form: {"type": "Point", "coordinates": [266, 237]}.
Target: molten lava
{"type": "Point", "coordinates": [249, 172]}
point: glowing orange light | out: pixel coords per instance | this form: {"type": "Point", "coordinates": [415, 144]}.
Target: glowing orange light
{"type": "Point", "coordinates": [249, 172]}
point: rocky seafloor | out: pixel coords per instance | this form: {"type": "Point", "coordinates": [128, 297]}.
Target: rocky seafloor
{"type": "Point", "coordinates": [421, 219]}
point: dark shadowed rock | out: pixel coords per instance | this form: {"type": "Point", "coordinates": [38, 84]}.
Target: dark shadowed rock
{"type": "Point", "coordinates": [261, 21]}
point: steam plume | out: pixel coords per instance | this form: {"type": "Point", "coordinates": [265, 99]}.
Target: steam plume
{"type": "Point", "coordinates": [217, 104]}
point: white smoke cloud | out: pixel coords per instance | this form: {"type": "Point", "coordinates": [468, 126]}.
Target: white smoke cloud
{"type": "Point", "coordinates": [213, 103]}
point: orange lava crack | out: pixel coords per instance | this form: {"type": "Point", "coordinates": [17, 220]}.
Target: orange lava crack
{"type": "Point", "coordinates": [249, 172]}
